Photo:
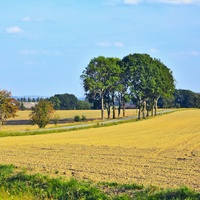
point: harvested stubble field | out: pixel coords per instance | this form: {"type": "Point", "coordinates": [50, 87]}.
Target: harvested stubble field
{"type": "Point", "coordinates": [22, 122]}
{"type": "Point", "coordinates": [162, 151]}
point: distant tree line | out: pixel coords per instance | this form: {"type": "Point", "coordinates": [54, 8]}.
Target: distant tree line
{"type": "Point", "coordinates": [68, 102]}
{"type": "Point", "coordinates": [59, 102]}
{"type": "Point", "coordinates": [181, 99]}
{"type": "Point", "coordinates": [137, 77]}
{"type": "Point", "coordinates": [29, 99]}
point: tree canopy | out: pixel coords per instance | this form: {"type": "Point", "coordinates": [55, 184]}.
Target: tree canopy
{"type": "Point", "coordinates": [8, 106]}
{"type": "Point", "coordinates": [100, 77]}
{"type": "Point", "coordinates": [42, 113]}
{"type": "Point", "coordinates": [136, 76]}
{"type": "Point", "coordinates": [68, 102]}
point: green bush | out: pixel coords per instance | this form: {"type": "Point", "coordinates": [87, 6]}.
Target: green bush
{"type": "Point", "coordinates": [56, 119]}
{"type": "Point", "coordinates": [77, 118]}
{"type": "Point", "coordinates": [84, 118]}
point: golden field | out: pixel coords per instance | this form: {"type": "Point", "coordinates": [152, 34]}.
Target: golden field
{"type": "Point", "coordinates": [162, 151]}
{"type": "Point", "coordinates": [23, 116]}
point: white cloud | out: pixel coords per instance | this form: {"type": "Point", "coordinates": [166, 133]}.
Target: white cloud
{"type": "Point", "coordinates": [104, 44]}
{"type": "Point", "coordinates": [180, 1]}
{"type": "Point", "coordinates": [194, 53]}
{"type": "Point", "coordinates": [118, 44]}
{"type": "Point", "coordinates": [134, 2]}
{"type": "Point", "coordinates": [26, 19]}
{"type": "Point", "coordinates": [109, 44]}
{"type": "Point", "coordinates": [112, 2]}
{"type": "Point", "coordinates": [153, 50]}
{"type": "Point", "coordinates": [13, 30]}
{"type": "Point", "coordinates": [29, 19]}
{"type": "Point", "coordinates": [40, 52]}
{"type": "Point", "coordinates": [186, 54]}
{"type": "Point", "coordinates": [131, 2]}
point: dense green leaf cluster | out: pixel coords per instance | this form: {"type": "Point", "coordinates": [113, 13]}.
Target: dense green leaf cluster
{"type": "Point", "coordinates": [41, 113]}
{"type": "Point", "coordinates": [68, 102]}
{"type": "Point", "coordinates": [137, 77]}
{"type": "Point", "coordinates": [181, 99]}
{"type": "Point", "coordinates": [8, 106]}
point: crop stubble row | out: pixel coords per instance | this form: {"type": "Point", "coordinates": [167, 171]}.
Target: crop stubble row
{"type": "Point", "coordinates": [144, 152]}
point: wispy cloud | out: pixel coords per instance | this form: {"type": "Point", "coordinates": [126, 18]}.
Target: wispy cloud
{"type": "Point", "coordinates": [179, 1]}
{"type": "Point", "coordinates": [13, 30]}
{"type": "Point", "coordinates": [112, 2]}
{"type": "Point", "coordinates": [131, 2]}
{"type": "Point", "coordinates": [118, 44]}
{"type": "Point", "coordinates": [135, 2]}
{"type": "Point", "coordinates": [153, 50]}
{"type": "Point", "coordinates": [26, 19]}
{"type": "Point", "coordinates": [110, 44]}
{"type": "Point", "coordinates": [187, 54]}
{"type": "Point", "coordinates": [29, 19]}
{"type": "Point", "coordinates": [104, 44]}
{"type": "Point", "coordinates": [40, 52]}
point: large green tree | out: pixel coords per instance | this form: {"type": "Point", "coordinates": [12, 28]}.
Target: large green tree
{"type": "Point", "coordinates": [98, 78]}
{"type": "Point", "coordinates": [165, 83]}
{"type": "Point", "coordinates": [42, 113]}
{"type": "Point", "coordinates": [8, 106]}
{"type": "Point", "coordinates": [148, 79]}
{"type": "Point", "coordinates": [138, 67]}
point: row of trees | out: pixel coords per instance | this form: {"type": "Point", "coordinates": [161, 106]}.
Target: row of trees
{"type": "Point", "coordinates": [136, 77]}
{"type": "Point", "coordinates": [29, 99]}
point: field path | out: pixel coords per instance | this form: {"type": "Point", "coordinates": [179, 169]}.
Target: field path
{"type": "Point", "coordinates": [162, 151]}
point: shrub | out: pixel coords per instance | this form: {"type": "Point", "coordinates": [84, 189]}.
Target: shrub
{"type": "Point", "coordinates": [84, 118]}
{"type": "Point", "coordinates": [55, 119]}
{"type": "Point", "coordinates": [77, 118]}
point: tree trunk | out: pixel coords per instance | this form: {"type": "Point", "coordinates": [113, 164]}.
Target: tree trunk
{"type": "Point", "coordinates": [124, 111]}
{"type": "Point", "coordinates": [113, 102]}
{"type": "Point", "coordinates": [144, 108]}
{"type": "Point", "coordinates": [139, 108]}
{"type": "Point", "coordinates": [102, 107]}
{"type": "Point", "coordinates": [156, 105]}
{"type": "Point", "coordinates": [108, 111]}
{"type": "Point", "coordinates": [119, 110]}
{"type": "Point", "coordinates": [152, 107]}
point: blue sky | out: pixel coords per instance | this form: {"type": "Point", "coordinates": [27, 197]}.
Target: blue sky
{"type": "Point", "coordinates": [46, 44]}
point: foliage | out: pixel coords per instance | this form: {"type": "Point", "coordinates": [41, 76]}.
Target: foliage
{"type": "Point", "coordinates": [8, 106]}
{"type": "Point", "coordinates": [55, 101]}
{"type": "Point", "coordinates": [180, 99]}
{"type": "Point", "coordinates": [100, 77]}
{"type": "Point", "coordinates": [83, 105]}
{"type": "Point", "coordinates": [198, 101]}
{"type": "Point", "coordinates": [148, 79]}
{"type": "Point", "coordinates": [77, 118]}
{"type": "Point", "coordinates": [56, 118]}
{"type": "Point", "coordinates": [15, 185]}
{"type": "Point", "coordinates": [137, 76]}
{"type": "Point", "coordinates": [83, 118]}
{"type": "Point", "coordinates": [68, 102]}
{"type": "Point", "coordinates": [41, 113]}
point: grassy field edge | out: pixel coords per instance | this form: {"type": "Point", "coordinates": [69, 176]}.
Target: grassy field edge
{"type": "Point", "coordinates": [17, 184]}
